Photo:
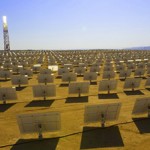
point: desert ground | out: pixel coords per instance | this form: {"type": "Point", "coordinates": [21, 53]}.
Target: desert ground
{"type": "Point", "coordinates": [126, 133]}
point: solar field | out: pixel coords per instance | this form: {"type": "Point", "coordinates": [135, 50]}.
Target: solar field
{"type": "Point", "coordinates": [70, 81]}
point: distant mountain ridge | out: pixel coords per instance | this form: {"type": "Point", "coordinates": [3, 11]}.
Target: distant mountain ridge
{"type": "Point", "coordinates": [139, 48]}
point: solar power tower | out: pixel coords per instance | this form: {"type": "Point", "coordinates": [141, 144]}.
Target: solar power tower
{"type": "Point", "coordinates": [6, 35]}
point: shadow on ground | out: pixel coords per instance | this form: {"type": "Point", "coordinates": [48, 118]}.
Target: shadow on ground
{"type": "Point", "coordinates": [143, 124]}
{"type": "Point", "coordinates": [58, 77]}
{"type": "Point", "coordinates": [108, 96]}
{"type": "Point", "coordinates": [35, 144]}
{"type": "Point", "coordinates": [40, 103]}
{"type": "Point", "coordinates": [93, 83]}
{"type": "Point", "coordinates": [3, 80]}
{"type": "Point", "coordinates": [79, 75]}
{"type": "Point", "coordinates": [64, 85]}
{"type": "Point", "coordinates": [20, 88]}
{"type": "Point", "coordinates": [96, 137]}
{"type": "Point", "coordinates": [5, 107]}
{"type": "Point", "coordinates": [141, 77]}
{"type": "Point", "coordinates": [83, 99]}
{"type": "Point", "coordinates": [137, 92]}
{"type": "Point", "coordinates": [122, 79]}
{"type": "Point", "coordinates": [148, 89]}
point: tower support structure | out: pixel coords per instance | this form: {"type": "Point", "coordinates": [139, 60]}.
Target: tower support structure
{"type": "Point", "coordinates": [6, 35]}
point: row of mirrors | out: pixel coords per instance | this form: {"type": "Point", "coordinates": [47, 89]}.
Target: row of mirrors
{"type": "Point", "coordinates": [51, 121]}
{"type": "Point", "coordinates": [78, 88]}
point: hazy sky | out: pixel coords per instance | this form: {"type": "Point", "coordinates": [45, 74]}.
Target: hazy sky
{"type": "Point", "coordinates": [75, 24]}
